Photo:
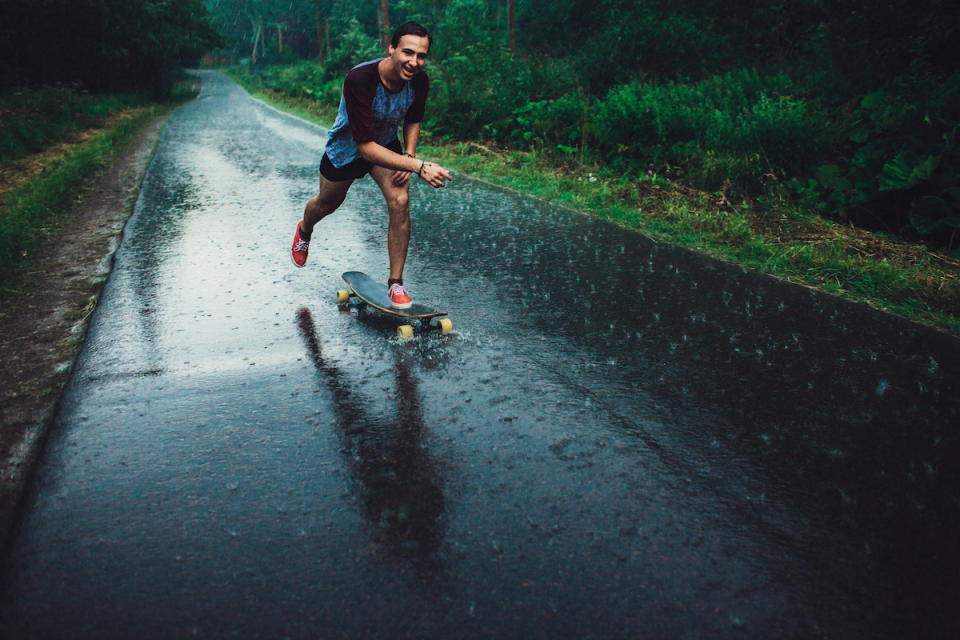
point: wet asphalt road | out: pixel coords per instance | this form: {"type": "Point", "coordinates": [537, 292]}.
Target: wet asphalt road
{"type": "Point", "coordinates": [619, 440]}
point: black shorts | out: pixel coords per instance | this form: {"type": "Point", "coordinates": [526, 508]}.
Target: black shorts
{"type": "Point", "coordinates": [352, 170]}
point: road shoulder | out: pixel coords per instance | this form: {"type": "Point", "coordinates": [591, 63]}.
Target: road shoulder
{"type": "Point", "coordinates": [45, 312]}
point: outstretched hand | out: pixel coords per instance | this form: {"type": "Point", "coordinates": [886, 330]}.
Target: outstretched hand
{"type": "Point", "coordinates": [435, 175]}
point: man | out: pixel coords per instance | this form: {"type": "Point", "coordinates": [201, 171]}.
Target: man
{"type": "Point", "coordinates": [376, 97]}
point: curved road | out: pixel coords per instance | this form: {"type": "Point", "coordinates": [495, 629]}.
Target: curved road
{"type": "Point", "coordinates": [620, 439]}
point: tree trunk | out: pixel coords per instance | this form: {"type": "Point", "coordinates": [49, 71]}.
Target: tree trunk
{"type": "Point", "coordinates": [385, 11]}
{"type": "Point", "coordinates": [279, 38]}
{"type": "Point", "coordinates": [256, 41]}
{"type": "Point", "coordinates": [319, 38]}
{"type": "Point", "coordinates": [512, 27]}
{"type": "Point", "coordinates": [380, 29]}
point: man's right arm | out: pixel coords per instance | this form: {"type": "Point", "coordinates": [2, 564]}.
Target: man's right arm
{"type": "Point", "coordinates": [434, 175]}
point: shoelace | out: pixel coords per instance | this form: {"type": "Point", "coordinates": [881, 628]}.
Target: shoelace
{"type": "Point", "coordinates": [301, 245]}
{"type": "Point", "coordinates": [397, 289]}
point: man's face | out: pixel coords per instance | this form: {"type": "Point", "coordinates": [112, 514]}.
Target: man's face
{"type": "Point", "coordinates": [409, 55]}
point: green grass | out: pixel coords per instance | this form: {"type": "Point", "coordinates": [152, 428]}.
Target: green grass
{"type": "Point", "coordinates": [32, 119]}
{"type": "Point", "coordinates": [772, 237]}
{"type": "Point", "coordinates": [45, 197]}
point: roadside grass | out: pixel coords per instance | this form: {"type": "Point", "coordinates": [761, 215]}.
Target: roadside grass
{"type": "Point", "coordinates": [33, 118]}
{"type": "Point", "coordinates": [771, 236]}
{"type": "Point", "coordinates": [38, 190]}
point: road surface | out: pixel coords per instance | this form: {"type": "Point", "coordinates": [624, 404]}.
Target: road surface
{"type": "Point", "coordinates": [620, 439]}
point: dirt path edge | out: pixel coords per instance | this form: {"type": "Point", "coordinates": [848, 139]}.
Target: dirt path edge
{"type": "Point", "coordinates": [45, 314]}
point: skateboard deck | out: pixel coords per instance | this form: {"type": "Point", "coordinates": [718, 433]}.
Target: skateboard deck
{"type": "Point", "coordinates": [374, 294]}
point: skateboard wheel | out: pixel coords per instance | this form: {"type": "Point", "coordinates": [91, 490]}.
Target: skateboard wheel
{"type": "Point", "coordinates": [445, 325]}
{"type": "Point", "coordinates": [404, 332]}
{"type": "Point", "coordinates": [343, 296]}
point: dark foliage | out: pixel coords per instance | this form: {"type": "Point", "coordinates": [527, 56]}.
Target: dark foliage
{"type": "Point", "coordinates": [850, 107]}
{"type": "Point", "coordinates": [102, 44]}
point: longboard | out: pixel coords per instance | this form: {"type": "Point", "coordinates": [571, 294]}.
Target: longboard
{"type": "Point", "coordinates": [373, 293]}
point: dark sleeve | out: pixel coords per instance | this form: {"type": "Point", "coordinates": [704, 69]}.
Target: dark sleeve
{"type": "Point", "coordinates": [359, 90]}
{"type": "Point", "coordinates": [421, 84]}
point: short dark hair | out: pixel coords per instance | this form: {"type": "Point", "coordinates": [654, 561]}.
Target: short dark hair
{"type": "Point", "coordinates": [409, 29]}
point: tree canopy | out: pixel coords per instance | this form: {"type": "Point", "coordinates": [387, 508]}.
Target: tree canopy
{"type": "Point", "coordinates": [103, 44]}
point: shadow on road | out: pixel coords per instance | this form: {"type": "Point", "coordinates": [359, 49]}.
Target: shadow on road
{"type": "Point", "coordinates": [396, 480]}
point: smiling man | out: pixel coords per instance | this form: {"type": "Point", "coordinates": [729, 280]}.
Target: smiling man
{"type": "Point", "coordinates": [378, 98]}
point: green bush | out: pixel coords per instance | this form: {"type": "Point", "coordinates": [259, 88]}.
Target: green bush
{"type": "Point", "coordinates": [899, 167]}
{"type": "Point", "coordinates": [354, 46]}
{"type": "Point", "coordinates": [557, 123]}
{"type": "Point", "coordinates": [478, 88]}
{"type": "Point", "coordinates": [471, 96]}
{"type": "Point", "coordinates": [306, 79]}
{"type": "Point", "coordinates": [742, 120]}
{"type": "Point", "coordinates": [31, 119]}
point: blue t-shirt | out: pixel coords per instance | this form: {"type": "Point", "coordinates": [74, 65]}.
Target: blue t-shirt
{"type": "Point", "coordinates": [369, 112]}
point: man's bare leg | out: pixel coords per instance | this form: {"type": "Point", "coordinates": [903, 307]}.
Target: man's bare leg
{"type": "Point", "coordinates": [398, 209]}
{"type": "Point", "coordinates": [328, 199]}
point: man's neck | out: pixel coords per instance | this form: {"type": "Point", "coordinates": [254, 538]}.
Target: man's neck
{"type": "Point", "coordinates": [388, 76]}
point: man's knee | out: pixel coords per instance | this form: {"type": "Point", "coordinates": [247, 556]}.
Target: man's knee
{"type": "Point", "coordinates": [398, 201]}
{"type": "Point", "coordinates": [330, 196]}
{"type": "Point", "coordinates": [328, 203]}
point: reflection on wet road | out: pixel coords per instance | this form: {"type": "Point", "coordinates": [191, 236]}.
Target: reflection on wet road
{"type": "Point", "coordinates": [619, 440]}
{"type": "Point", "coordinates": [395, 479]}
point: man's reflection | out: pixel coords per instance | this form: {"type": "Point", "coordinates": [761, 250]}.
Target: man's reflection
{"type": "Point", "coordinates": [397, 482]}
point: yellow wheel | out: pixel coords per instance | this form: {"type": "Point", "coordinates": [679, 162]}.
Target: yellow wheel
{"type": "Point", "coordinates": [404, 332]}
{"type": "Point", "coordinates": [445, 325]}
{"type": "Point", "coordinates": [343, 296]}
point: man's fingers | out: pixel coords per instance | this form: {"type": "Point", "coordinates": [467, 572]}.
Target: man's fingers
{"type": "Point", "coordinates": [435, 175]}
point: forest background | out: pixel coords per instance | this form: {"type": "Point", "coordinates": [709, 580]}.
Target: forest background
{"type": "Point", "coordinates": [750, 116]}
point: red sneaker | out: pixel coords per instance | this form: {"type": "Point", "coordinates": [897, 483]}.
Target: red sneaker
{"type": "Point", "coordinates": [399, 299]}
{"type": "Point", "coordinates": [300, 247]}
